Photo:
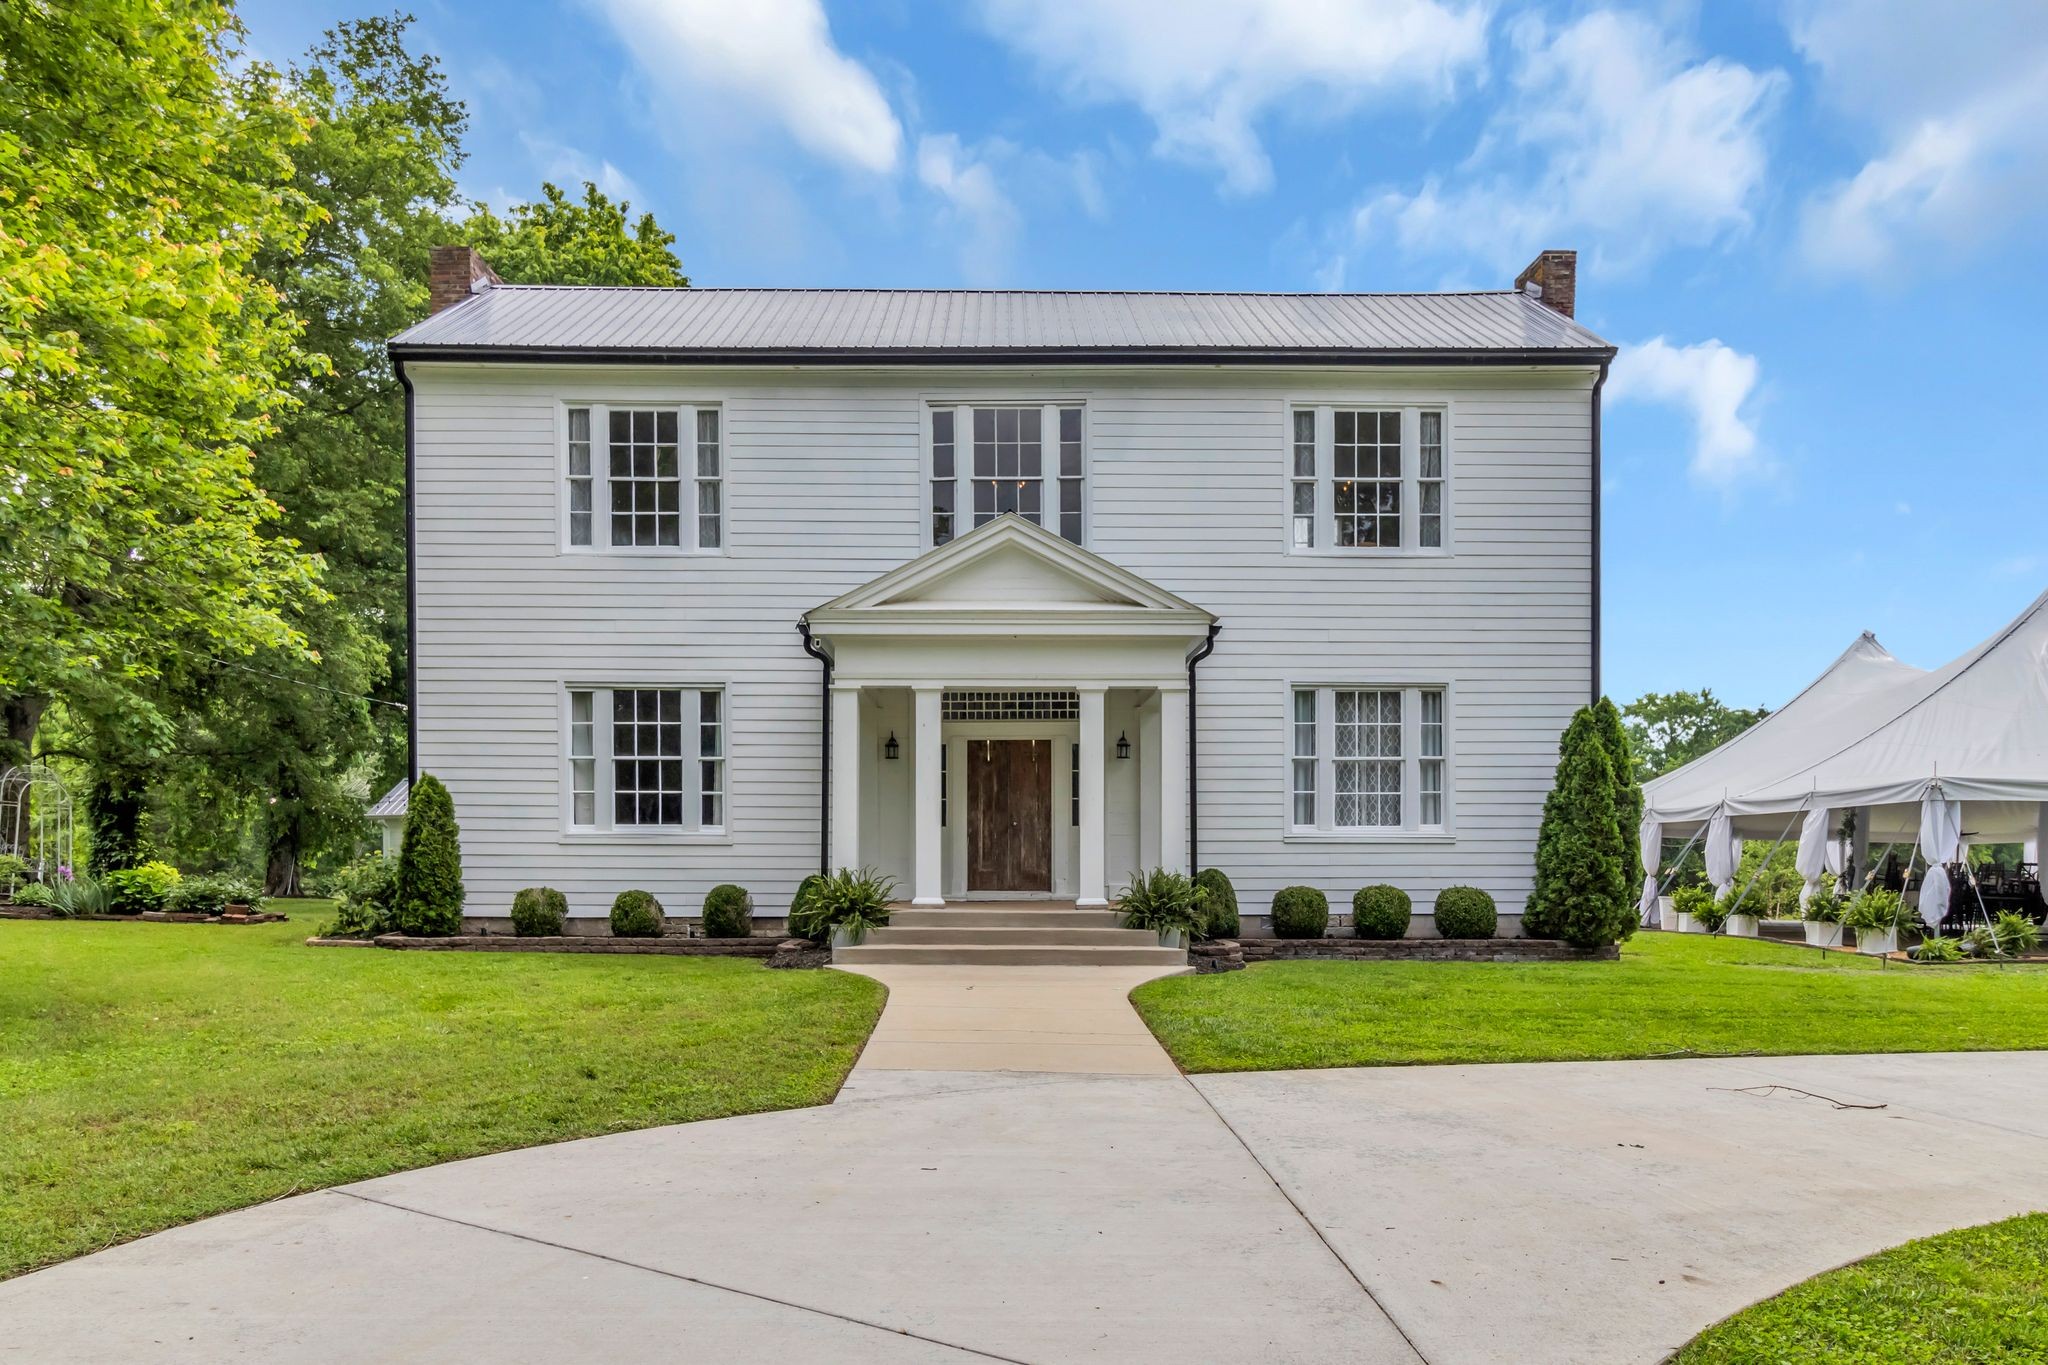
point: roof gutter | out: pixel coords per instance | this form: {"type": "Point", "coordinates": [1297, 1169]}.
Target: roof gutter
{"type": "Point", "coordinates": [855, 355]}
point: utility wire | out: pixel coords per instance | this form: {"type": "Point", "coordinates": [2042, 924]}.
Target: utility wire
{"type": "Point", "coordinates": [301, 682]}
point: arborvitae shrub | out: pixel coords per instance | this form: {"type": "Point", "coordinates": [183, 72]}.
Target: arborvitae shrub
{"type": "Point", "coordinates": [637, 914]}
{"type": "Point", "coordinates": [429, 901]}
{"type": "Point", "coordinates": [728, 912]}
{"type": "Point", "coordinates": [1300, 912]}
{"type": "Point", "coordinates": [1465, 912]}
{"type": "Point", "coordinates": [538, 912]}
{"type": "Point", "coordinates": [1581, 895]}
{"type": "Point", "coordinates": [1221, 905]}
{"type": "Point", "coordinates": [1381, 912]}
{"type": "Point", "coordinates": [1628, 793]}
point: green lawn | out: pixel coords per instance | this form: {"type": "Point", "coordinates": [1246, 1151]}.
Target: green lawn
{"type": "Point", "coordinates": [151, 1074]}
{"type": "Point", "coordinates": [1669, 994]}
{"type": "Point", "coordinates": [1964, 1298]}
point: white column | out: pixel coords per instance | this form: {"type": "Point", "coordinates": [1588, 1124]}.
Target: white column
{"type": "Point", "coordinates": [1089, 888]}
{"type": "Point", "coordinates": [846, 765]}
{"type": "Point", "coordinates": [926, 835]}
{"type": "Point", "coordinates": [1173, 779]}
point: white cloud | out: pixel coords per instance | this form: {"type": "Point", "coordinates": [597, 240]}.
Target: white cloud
{"type": "Point", "coordinates": [1206, 71]}
{"type": "Point", "coordinates": [773, 59]}
{"type": "Point", "coordinates": [1610, 132]}
{"type": "Point", "coordinates": [1713, 383]}
{"type": "Point", "coordinates": [568, 167]}
{"type": "Point", "coordinates": [965, 180]}
{"type": "Point", "coordinates": [1957, 96]}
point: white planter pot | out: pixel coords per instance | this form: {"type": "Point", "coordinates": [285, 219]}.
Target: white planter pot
{"type": "Point", "coordinates": [1741, 926]}
{"type": "Point", "coordinates": [841, 938]}
{"type": "Point", "coordinates": [1877, 942]}
{"type": "Point", "coordinates": [1667, 918]}
{"type": "Point", "coordinates": [1820, 934]}
{"type": "Point", "coordinates": [1173, 938]}
{"type": "Point", "coordinates": [1689, 924]}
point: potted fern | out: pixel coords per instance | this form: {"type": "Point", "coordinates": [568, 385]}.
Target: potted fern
{"type": "Point", "coordinates": [1823, 916]}
{"type": "Point", "coordinates": [1739, 914]}
{"type": "Point", "coordinates": [843, 907]}
{"type": "Point", "coordinates": [1878, 916]}
{"type": "Point", "coordinates": [1168, 903]}
{"type": "Point", "coordinates": [1691, 906]}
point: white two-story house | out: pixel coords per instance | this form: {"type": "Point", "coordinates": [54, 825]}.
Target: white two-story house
{"type": "Point", "coordinates": [1006, 594]}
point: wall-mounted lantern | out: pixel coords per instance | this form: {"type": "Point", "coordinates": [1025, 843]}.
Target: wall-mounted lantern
{"type": "Point", "coordinates": [890, 750]}
{"type": "Point", "coordinates": [1123, 745]}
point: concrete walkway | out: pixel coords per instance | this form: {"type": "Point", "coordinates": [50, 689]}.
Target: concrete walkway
{"type": "Point", "coordinates": [1045, 1019]}
{"type": "Point", "coordinates": [1576, 1214]}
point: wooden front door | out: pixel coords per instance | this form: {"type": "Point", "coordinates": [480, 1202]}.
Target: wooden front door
{"type": "Point", "coordinates": [1009, 815]}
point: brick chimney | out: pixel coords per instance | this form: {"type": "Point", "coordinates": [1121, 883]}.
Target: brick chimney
{"type": "Point", "coordinates": [453, 274]}
{"type": "Point", "coordinates": [1556, 277]}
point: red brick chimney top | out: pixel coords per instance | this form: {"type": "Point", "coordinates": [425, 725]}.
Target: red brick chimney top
{"type": "Point", "coordinates": [1556, 277]}
{"type": "Point", "coordinates": [453, 274]}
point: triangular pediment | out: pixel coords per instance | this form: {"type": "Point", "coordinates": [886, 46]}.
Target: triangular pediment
{"type": "Point", "coordinates": [1009, 565]}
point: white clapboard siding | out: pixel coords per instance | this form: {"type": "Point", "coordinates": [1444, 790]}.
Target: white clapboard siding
{"type": "Point", "coordinates": [824, 490]}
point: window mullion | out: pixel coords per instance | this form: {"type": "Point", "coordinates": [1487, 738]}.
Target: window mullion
{"type": "Point", "coordinates": [693, 760]}
{"type": "Point", "coordinates": [601, 745]}
{"type": "Point", "coordinates": [963, 471]}
{"type": "Point", "coordinates": [600, 479]}
{"type": "Point", "coordinates": [1411, 469]}
{"type": "Point", "coordinates": [1411, 758]}
{"type": "Point", "coordinates": [1326, 473]}
{"type": "Point", "coordinates": [1326, 762]}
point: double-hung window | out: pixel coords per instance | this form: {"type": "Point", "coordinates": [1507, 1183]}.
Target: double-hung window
{"type": "Point", "coordinates": [644, 477]}
{"type": "Point", "coordinates": [988, 459]}
{"type": "Point", "coordinates": [1367, 760]}
{"type": "Point", "coordinates": [646, 758]}
{"type": "Point", "coordinates": [1367, 478]}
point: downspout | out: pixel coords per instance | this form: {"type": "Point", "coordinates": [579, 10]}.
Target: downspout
{"type": "Point", "coordinates": [1597, 384]}
{"type": "Point", "coordinates": [1202, 651]}
{"type": "Point", "coordinates": [412, 595]}
{"type": "Point", "coordinates": [812, 648]}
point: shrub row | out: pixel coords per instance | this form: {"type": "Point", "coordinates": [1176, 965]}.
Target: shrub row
{"type": "Point", "coordinates": [541, 912]}
{"type": "Point", "coordinates": [1383, 912]}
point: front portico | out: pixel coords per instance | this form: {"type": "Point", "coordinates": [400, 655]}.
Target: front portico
{"type": "Point", "coordinates": [1009, 720]}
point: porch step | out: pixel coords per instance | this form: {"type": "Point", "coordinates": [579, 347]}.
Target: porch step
{"type": "Point", "coordinates": [1009, 955]}
{"type": "Point", "coordinates": [1097, 935]}
{"type": "Point", "coordinates": [1003, 917]}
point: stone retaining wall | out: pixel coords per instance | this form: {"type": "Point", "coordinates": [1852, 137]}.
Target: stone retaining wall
{"type": "Point", "coordinates": [1228, 955]}
{"type": "Point", "coordinates": [584, 943]}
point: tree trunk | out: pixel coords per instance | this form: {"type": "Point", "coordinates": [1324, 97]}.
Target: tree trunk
{"type": "Point", "coordinates": [21, 716]}
{"type": "Point", "coordinates": [113, 806]}
{"type": "Point", "coordinates": [286, 840]}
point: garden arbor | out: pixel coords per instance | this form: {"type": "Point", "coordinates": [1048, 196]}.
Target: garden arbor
{"type": "Point", "coordinates": [1935, 761]}
{"type": "Point", "coordinates": [35, 819]}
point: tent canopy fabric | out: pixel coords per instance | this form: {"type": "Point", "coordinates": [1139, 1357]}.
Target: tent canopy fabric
{"type": "Point", "coordinates": [1873, 732]}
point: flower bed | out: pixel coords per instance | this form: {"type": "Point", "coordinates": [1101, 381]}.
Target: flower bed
{"type": "Point", "coordinates": [576, 943]}
{"type": "Point", "coordinates": [1226, 955]}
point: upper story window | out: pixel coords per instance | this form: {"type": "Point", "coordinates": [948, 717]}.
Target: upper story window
{"type": "Point", "coordinates": [1367, 478]}
{"type": "Point", "coordinates": [646, 757]}
{"type": "Point", "coordinates": [1368, 760]}
{"type": "Point", "coordinates": [644, 477]}
{"type": "Point", "coordinates": [990, 459]}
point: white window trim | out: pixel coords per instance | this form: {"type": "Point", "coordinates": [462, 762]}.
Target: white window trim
{"type": "Point", "coordinates": [963, 461]}
{"type": "Point", "coordinates": [1410, 830]}
{"type": "Point", "coordinates": [686, 411]}
{"type": "Point", "coordinates": [1411, 411]}
{"type": "Point", "coordinates": [605, 831]}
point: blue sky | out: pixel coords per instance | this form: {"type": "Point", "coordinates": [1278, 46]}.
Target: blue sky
{"type": "Point", "coordinates": [1814, 227]}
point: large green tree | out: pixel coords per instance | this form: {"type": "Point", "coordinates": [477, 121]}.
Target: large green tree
{"type": "Point", "coordinates": [557, 240]}
{"type": "Point", "coordinates": [141, 175]}
{"type": "Point", "coordinates": [1667, 730]}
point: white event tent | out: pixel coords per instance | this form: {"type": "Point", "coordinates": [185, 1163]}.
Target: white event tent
{"type": "Point", "coordinates": [1939, 760]}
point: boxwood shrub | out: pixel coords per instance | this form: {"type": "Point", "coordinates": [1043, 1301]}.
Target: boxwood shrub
{"type": "Point", "coordinates": [538, 912]}
{"type": "Point", "coordinates": [1381, 912]}
{"type": "Point", "coordinates": [637, 914]}
{"type": "Point", "coordinates": [728, 912]}
{"type": "Point", "coordinates": [797, 924]}
{"type": "Point", "coordinates": [1300, 912]}
{"type": "Point", "coordinates": [1221, 905]}
{"type": "Point", "coordinates": [1465, 912]}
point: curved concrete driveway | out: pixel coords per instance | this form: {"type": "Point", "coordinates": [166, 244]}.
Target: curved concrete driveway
{"type": "Point", "coordinates": [1573, 1213]}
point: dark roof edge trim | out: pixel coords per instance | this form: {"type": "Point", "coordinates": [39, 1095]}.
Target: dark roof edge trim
{"type": "Point", "coordinates": [1587, 355]}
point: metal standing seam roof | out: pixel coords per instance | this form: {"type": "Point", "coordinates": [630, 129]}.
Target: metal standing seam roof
{"type": "Point", "coordinates": [392, 803]}
{"type": "Point", "coordinates": [578, 321]}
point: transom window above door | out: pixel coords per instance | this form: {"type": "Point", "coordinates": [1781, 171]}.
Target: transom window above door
{"type": "Point", "coordinates": [1366, 479]}
{"type": "Point", "coordinates": [643, 478]}
{"type": "Point", "coordinates": [988, 459]}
